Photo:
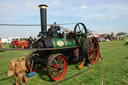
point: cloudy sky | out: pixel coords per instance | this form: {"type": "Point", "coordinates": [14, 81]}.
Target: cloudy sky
{"type": "Point", "coordinates": [103, 16]}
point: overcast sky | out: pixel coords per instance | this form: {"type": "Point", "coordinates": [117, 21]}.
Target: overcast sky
{"type": "Point", "coordinates": [103, 16]}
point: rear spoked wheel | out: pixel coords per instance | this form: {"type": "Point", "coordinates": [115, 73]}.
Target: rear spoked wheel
{"type": "Point", "coordinates": [91, 48]}
{"type": "Point", "coordinates": [57, 66]}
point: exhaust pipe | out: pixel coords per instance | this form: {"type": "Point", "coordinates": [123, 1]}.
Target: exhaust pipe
{"type": "Point", "coordinates": [43, 14]}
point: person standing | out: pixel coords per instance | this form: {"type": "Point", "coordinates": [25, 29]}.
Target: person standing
{"type": "Point", "coordinates": [25, 43]}
{"type": "Point", "coordinates": [30, 42]}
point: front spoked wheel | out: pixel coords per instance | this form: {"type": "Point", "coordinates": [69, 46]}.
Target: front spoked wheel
{"type": "Point", "coordinates": [32, 63]}
{"type": "Point", "coordinates": [57, 66]}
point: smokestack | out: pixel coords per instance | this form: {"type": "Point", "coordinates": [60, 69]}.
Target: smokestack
{"type": "Point", "coordinates": [43, 14]}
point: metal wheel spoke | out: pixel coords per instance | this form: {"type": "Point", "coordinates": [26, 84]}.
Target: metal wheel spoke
{"type": "Point", "coordinates": [82, 29]}
{"type": "Point", "coordinates": [95, 54]}
{"type": "Point", "coordinates": [77, 30]}
{"type": "Point", "coordinates": [90, 43]}
{"type": "Point", "coordinates": [93, 46]}
{"type": "Point", "coordinates": [89, 51]}
{"type": "Point", "coordinates": [53, 73]}
{"type": "Point", "coordinates": [53, 70]}
{"type": "Point", "coordinates": [90, 55]}
{"type": "Point", "coordinates": [58, 73]}
{"type": "Point", "coordinates": [61, 62]}
{"type": "Point", "coordinates": [51, 65]}
{"type": "Point", "coordinates": [55, 61]}
{"type": "Point", "coordinates": [79, 27]}
{"type": "Point", "coordinates": [94, 42]}
{"type": "Point", "coordinates": [79, 39]}
{"type": "Point", "coordinates": [95, 49]}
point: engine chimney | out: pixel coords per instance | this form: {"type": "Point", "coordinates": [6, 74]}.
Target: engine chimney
{"type": "Point", "coordinates": [43, 14]}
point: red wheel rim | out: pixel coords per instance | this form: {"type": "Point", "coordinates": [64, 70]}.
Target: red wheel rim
{"type": "Point", "coordinates": [93, 51]}
{"type": "Point", "coordinates": [36, 65]}
{"type": "Point", "coordinates": [58, 67]}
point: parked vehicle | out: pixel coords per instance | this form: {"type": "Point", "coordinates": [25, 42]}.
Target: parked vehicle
{"type": "Point", "coordinates": [15, 43]}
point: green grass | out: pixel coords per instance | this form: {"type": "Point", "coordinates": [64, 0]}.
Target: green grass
{"type": "Point", "coordinates": [5, 46]}
{"type": "Point", "coordinates": [115, 67]}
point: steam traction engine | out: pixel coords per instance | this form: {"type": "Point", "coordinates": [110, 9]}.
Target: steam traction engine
{"type": "Point", "coordinates": [56, 49]}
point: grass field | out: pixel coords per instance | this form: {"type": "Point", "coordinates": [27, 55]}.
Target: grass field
{"type": "Point", "coordinates": [115, 67]}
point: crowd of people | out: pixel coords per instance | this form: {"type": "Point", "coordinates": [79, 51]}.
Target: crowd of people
{"type": "Point", "coordinates": [24, 43]}
{"type": "Point", "coordinates": [30, 42]}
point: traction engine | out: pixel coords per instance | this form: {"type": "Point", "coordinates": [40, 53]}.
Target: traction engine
{"type": "Point", "coordinates": [56, 49]}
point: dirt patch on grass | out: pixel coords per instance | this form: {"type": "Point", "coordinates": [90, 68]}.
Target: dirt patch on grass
{"type": "Point", "coordinates": [124, 81]}
{"type": "Point", "coordinates": [126, 57]}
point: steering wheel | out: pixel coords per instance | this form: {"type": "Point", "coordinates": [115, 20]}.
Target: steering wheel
{"type": "Point", "coordinates": [80, 33]}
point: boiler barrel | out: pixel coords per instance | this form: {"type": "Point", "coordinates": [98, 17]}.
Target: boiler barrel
{"type": "Point", "coordinates": [59, 43]}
